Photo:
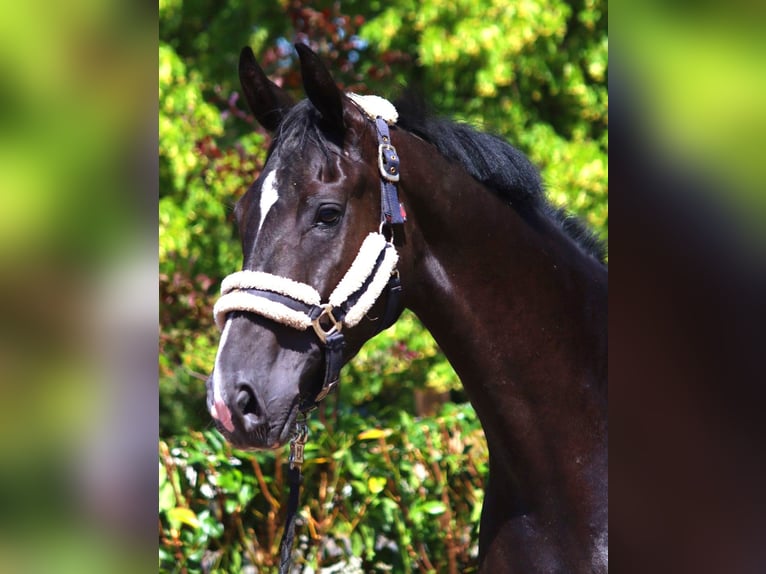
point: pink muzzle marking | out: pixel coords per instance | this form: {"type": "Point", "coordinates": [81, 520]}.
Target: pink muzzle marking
{"type": "Point", "coordinates": [222, 414]}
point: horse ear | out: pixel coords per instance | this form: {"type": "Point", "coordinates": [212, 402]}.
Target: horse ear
{"type": "Point", "coordinates": [320, 87]}
{"type": "Point", "coordinates": [268, 102]}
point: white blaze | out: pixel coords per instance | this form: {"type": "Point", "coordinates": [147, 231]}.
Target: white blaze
{"type": "Point", "coordinates": [217, 396]}
{"type": "Point", "coordinates": [269, 196]}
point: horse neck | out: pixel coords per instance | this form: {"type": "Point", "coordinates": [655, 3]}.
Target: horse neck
{"type": "Point", "coordinates": [520, 311]}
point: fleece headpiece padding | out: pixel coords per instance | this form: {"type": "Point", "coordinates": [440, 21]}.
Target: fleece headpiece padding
{"type": "Point", "coordinates": [375, 106]}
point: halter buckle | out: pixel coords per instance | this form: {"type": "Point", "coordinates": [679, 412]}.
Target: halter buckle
{"type": "Point", "coordinates": [388, 162]}
{"type": "Point", "coordinates": [335, 325]}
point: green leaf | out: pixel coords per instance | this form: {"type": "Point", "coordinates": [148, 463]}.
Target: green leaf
{"type": "Point", "coordinates": [167, 497]}
{"type": "Point", "coordinates": [433, 507]}
{"type": "Point", "coordinates": [230, 480]}
{"type": "Point", "coordinates": [210, 525]}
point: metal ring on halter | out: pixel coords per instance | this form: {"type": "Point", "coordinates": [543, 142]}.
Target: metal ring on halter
{"type": "Point", "coordinates": [335, 325]}
{"type": "Point", "coordinates": [383, 224]}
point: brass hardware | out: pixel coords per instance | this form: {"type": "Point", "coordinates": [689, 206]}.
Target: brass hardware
{"type": "Point", "coordinates": [335, 325]}
{"type": "Point", "coordinates": [298, 442]}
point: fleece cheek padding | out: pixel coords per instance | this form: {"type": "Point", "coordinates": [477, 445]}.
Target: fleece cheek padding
{"type": "Point", "coordinates": [378, 283]}
{"type": "Point", "coordinates": [360, 269]}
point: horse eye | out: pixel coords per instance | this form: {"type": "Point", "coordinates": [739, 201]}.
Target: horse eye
{"type": "Point", "coordinates": [328, 216]}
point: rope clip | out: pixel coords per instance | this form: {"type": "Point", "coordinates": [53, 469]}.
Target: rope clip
{"type": "Point", "coordinates": [298, 442]}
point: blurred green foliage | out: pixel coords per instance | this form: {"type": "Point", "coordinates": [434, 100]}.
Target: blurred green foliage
{"type": "Point", "coordinates": [533, 72]}
{"type": "Point", "coordinates": [709, 114]}
{"type": "Point", "coordinates": [376, 498]}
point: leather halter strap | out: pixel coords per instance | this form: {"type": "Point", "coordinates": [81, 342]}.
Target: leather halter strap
{"type": "Point", "coordinates": [391, 210]}
{"type": "Point", "coordinates": [333, 339]}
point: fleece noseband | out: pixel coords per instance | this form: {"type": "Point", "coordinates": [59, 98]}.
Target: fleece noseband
{"type": "Point", "coordinates": [373, 271]}
{"type": "Point", "coordinates": [299, 305]}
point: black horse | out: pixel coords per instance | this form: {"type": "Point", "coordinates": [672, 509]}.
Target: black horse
{"type": "Point", "coordinates": [514, 292]}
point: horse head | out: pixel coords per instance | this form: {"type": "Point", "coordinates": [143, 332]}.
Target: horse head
{"type": "Point", "coordinates": [315, 280]}
{"type": "Point", "coordinates": [514, 293]}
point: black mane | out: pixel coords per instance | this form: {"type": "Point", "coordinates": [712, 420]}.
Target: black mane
{"type": "Point", "coordinates": [487, 158]}
{"type": "Point", "coordinates": [498, 165]}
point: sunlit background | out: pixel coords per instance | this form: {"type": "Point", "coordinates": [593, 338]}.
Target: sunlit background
{"type": "Point", "coordinates": [688, 275]}
{"type": "Point", "coordinates": [691, 77]}
{"type": "Point", "coordinates": [78, 188]}
{"type": "Point", "coordinates": [78, 244]}
{"type": "Point", "coordinates": [533, 73]}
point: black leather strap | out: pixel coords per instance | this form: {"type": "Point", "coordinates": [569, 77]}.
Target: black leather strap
{"type": "Point", "coordinates": [392, 211]}
{"type": "Point", "coordinates": [335, 344]}
{"type": "Point", "coordinates": [393, 302]}
{"type": "Point", "coordinates": [294, 304]}
{"type": "Point", "coordinates": [333, 356]}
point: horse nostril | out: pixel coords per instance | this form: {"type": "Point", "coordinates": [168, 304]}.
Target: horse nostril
{"type": "Point", "coordinates": [250, 409]}
{"type": "Point", "coordinates": [246, 401]}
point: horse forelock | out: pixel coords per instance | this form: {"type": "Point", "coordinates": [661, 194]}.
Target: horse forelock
{"type": "Point", "coordinates": [299, 129]}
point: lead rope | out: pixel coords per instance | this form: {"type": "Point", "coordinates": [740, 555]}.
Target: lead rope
{"type": "Point", "coordinates": [295, 479]}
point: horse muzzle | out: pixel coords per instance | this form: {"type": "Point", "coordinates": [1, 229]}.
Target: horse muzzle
{"type": "Point", "coordinates": [245, 420]}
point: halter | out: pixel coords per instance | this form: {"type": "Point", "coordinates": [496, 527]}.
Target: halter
{"type": "Point", "coordinates": [299, 305]}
